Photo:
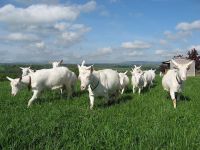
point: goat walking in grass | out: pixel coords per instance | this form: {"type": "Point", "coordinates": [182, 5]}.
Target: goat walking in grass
{"type": "Point", "coordinates": [73, 79]}
{"type": "Point", "coordinates": [137, 79]}
{"type": "Point", "coordinates": [55, 78]}
{"type": "Point", "coordinates": [173, 80]}
{"type": "Point", "coordinates": [99, 83]}
{"type": "Point", "coordinates": [124, 81]}
{"type": "Point", "coordinates": [149, 77]}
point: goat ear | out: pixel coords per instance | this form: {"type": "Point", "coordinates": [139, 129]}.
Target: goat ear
{"type": "Point", "coordinates": [83, 63]}
{"type": "Point", "coordinates": [125, 72]}
{"type": "Point", "coordinates": [190, 63]}
{"type": "Point", "coordinates": [61, 62]}
{"type": "Point", "coordinates": [21, 68]}
{"type": "Point", "coordinates": [29, 67]}
{"type": "Point", "coordinates": [139, 66]}
{"type": "Point", "coordinates": [175, 63]}
{"type": "Point", "coordinates": [10, 79]}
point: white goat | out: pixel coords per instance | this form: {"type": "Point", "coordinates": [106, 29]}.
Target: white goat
{"type": "Point", "coordinates": [153, 74]}
{"type": "Point", "coordinates": [173, 80]}
{"type": "Point", "coordinates": [148, 78]}
{"type": "Point", "coordinates": [26, 70]}
{"type": "Point", "coordinates": [137, 80]}
{"type": "Point", "coordinates": [124, 81]}
{"type": "Point", "coordinates": [57, 63]}
{"type": "Point", "coordinates": [54, 78]}
{"type": "Point", "coordinates": [137, 69]}
{"type": "Point", "coordinates": [73, 79]}
{"type": "Point", "coordinates": [99, 83]}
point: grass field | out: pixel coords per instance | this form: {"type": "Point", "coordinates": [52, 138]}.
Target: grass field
{"type": "Point", "coordinates": [148, 121]}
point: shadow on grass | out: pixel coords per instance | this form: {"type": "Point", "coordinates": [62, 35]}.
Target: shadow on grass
{"type": "Point", "coordinates": [47, 97]}
{"type": "Point", "coordinates": [182, 97]}
{"type": "Point", "coordinates": [122, 99]}
{"type": "Point", "coordinates": [146, 89]}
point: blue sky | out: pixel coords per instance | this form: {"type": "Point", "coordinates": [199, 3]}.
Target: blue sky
{"type": "Point", "coordinates": [97, 31]}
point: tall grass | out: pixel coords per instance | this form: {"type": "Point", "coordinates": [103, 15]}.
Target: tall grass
{"type": "Point", "coordinates": [148, 121]}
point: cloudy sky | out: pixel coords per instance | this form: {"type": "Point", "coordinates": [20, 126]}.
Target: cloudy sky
{"type": "Point", "coordinates": [97, 31]}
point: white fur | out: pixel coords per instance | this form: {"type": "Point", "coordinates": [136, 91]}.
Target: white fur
{"type": "Point", "coordinates": [99, 83]}
{"type": "Point", "coordinates": [173, 80]}
{"type": "Point", "coordinates": [137, 81]}
{"type": "Point", "coordinates": [137, 69]}
{"type": "Point", "coordinates": [73, 79]}
{"type": "Point", "coordinates": [26, 71]}
{"type": "Point", "coordinates": [149, 76]}
{"type": "Point", "coordinates": [124, 81]}
{"type": "Point", "coordinates": [57, 63]}
{"type": "Point", "coordinates": [55, 78]}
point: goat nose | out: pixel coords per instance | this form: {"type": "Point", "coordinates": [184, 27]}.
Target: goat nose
{"type": "Point", "coordinates": [82, 87]}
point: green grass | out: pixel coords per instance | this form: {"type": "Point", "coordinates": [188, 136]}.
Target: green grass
{"type": "Point", "coordinates": [141, 122]}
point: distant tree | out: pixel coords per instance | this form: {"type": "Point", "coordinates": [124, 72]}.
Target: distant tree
{"type": "Point", "coordinates": [193, 55]}
{"type": "Point", "coordinates": [179, 56]}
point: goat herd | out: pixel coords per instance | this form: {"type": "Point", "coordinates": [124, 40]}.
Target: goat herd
{"type": "Point", "coordinates": [107, 82]}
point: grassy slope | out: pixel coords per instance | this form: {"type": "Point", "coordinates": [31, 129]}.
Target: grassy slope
{"type": "Point", "coordinates": [137, 122]}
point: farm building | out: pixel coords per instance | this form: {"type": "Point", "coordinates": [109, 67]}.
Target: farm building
{"type": "Point", "coordinates": [170, 65]}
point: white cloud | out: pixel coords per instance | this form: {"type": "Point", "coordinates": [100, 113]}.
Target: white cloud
{"type": "Point", "coordinates": [180, 35]}
{"type": "Point", "coordinates": [195, 25]}
{"type": "Point", "coordinates": [40, 45]}
{"type": "Point", "coordinates": [160, 52]}
{"type": "Point", "coordinates": [28, 2]}
{"type": "Point", "coordinates": [100, 54]}
{"type": "Point", "coordinates": [72, 36]}
{"type": "Point", "coordinates": [80, 27]}
{"type": "Point", "coordinates": [168, 54]}
{"type": "Point", "coordinates": [105, 50]}
{"type": "Point", "coordinates": [136, 45]}
{"type": "Point", "coordinates": [61, 26]}
{"type": "Point", "coordinates": [42, 31]}
{"type": "Point", "coordinates": [90, 6]}
{"type": "Point", "coordinates": [20, 37]}
{"type": "Point", "coordinates": [42, 13]}
{"type": "Point", "coordinates": [134, 53]}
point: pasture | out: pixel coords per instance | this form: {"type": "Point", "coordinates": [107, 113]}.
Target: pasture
{"type": "Point", "coordinates": [148, 121]}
